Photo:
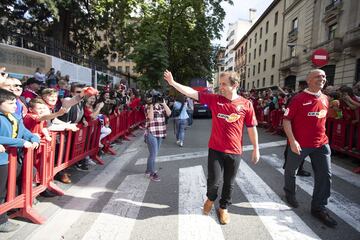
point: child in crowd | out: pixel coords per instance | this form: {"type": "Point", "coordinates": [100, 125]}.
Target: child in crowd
{"type": "Point", "coordinates": [12, 134]}
{"type": "Point", "coordinates": [91, 113]}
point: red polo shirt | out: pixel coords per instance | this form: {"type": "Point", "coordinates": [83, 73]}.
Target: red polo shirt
{"type": "Point", "coordinates": [228, 119]}
{"type": "Point", "coordinates": [307, 113]}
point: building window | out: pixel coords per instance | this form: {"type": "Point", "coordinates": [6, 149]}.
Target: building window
{"type": "Point", "coordinates": [260, 32]}
{"type": "Point", "coordinates": [266, 45]}
{"type": "Point", "coordinates": [272, 80]}
{"type": "Point", "coordinates": [250, 43]}
{"type": "Point", "coordinates": [294, 24]}
{"type": "Point", "coordinates": [276, 18]}
{"type": "Point", "coordinates": [253, 70]}
{"type": "Point", "coordinates": [255, 53]}
{"type": "Point", "coordinates": [249, 57]}
{"type": "Point", "coordinates": [260, 50]}
{"type": "Point", "coordinates": [255, 40]}
{"type": "Point", "coordinates": [267, 27]}
{"type": "Point", "coordinates": [119, 68]}
{"type": "Point", "coordinates": [245, 47]}
{"type": "Point", "coordinates": [273, 61]}
{"type": "Point", "coordinates": [263, 82]}
{"type": "Point", "coordinates": [248, 74]}
{"type": "Point", "coordinates": [222, 69]}
{"type": "Point", "coordinates": [259, 67]}
{"type": "Point", "coordinates": [292, 51]}
{"type": "Point", "coordinates": [274, 39]}
{"type": "Point", "coordinates": [357, 74]}
{"type": "Point", "coordinates": [127, 69]}
{"type": "Point", "coordinates": [264, 65]}
{"type": "Point", "coordinates": [258, 83]}
{"type": "Point", "coordinates": [113, 57]}
{"type": "Point", "coordinates": [248, 85]}
{"type": "Point", "coordinates": [332, 30]}
{"type": "Point", "coordinates": [253, 84]}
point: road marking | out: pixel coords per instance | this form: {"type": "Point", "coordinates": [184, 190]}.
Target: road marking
{"type": "Point", "coordinates": [118, 217]}
{"type": "Point", "coordinates": [192, 194]}
{"type": "Point", "coordinates": [200, 154]}
{"type": "Point", "coordinates": [81, 198]}
{"type": "Point", "coordinates": [338, 203]}
{"type": "Point", "coordinates": [280, 221]}
{"type": "Point", "coordinates": [344, 174]}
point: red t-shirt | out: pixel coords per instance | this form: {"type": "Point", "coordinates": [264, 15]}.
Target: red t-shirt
{"type": "Point", "coordinates": [228, 119]}
{"type": "Point", "coordinates": [33, 123]}
{"type": "Point", "coordinates": [87, 113]}
{"type": "Point", "coordinates": [28, 95]}
{"type": "Point", "coordinates": [307, 114]}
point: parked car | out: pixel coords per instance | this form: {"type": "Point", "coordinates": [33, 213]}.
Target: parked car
{"type": "Point", "coordinates": [201, 110]}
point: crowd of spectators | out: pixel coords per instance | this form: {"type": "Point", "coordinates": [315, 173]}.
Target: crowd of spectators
{"type": "Point", "coordinates": [344, 101]}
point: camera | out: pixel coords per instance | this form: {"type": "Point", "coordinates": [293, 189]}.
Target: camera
{"type": "Point", "coordinates": [153, 96]}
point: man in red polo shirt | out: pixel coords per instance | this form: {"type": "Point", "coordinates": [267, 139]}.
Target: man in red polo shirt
{"type": "Point", "coordinates": [229, 114]}
{"type": "Point", "coordinates": [304, 125]}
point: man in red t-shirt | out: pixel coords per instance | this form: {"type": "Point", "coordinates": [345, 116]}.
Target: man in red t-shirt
{"type": "Point", "coordinates": [304, 124]}
{"type": "Point", "coordinates": [229, 114]}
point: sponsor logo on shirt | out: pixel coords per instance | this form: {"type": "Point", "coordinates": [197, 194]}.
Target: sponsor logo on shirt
{"type": "Point", "coordinates": [320, 114]}
{"type": "Point", "coordinates": [229, 118]}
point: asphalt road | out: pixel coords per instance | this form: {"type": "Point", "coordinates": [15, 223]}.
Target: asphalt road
{"type": "Point", "coordinates": [117, 201]}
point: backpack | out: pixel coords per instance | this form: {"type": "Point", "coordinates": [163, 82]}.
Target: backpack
{"type": "Point", "coordinates": [176, 112]}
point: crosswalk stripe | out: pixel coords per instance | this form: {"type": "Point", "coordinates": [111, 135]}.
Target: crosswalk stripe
{"type": "Point", "coordinates": [81, 199]}
{"type": "Point", "coordinates": [280, 221]}
{"type": "Point", "coordinates": [192, 223]}
{"type": "Point", "coordinates": [199, 154]}
{"type": "Point", "coordinates": [118, 217]}
{"type": "Point", "coordinates": [338, 203]}
{"type": "Point", "coordinates": [344, 174]}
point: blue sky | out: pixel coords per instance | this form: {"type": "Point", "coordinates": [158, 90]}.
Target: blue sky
{"type": "Point", "coordinates": [240, 10]}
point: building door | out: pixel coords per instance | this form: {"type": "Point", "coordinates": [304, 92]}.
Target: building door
{"type": "Point", "coordinates": [330, 74]}
{"type": "Point", "coordinates": [290, 82]}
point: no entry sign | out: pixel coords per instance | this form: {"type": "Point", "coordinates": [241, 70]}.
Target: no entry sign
{"type": "Point", "coordinates": [320, 57]}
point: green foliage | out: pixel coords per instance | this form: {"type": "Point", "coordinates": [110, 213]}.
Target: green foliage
{"type": "Point", "coordinates": [156, 34]}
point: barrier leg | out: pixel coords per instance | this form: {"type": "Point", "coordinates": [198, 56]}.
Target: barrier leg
{"type": "Point", "coordinates": [55, 189]}
{"type": "Point", "coordinates": [30, 214]}
{"type": "Point", "coordinates": [97, 159]}
{"type": "Point", "coordinates": [110, 150]}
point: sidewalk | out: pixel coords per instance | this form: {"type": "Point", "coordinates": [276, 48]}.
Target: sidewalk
{"type": "Point", "coordinates": [88, 189]}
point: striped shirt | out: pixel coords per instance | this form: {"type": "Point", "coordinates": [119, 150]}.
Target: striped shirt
{"type": "Point", "coordinates": [157, 127]}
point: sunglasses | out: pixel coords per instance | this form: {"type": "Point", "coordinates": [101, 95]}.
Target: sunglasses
{"type": "Point", "coordinates": [2, 73]}
{"type": "Point", "coordinates": [17, 85]}
{"type": "Point", "coordinates": [78, 92]}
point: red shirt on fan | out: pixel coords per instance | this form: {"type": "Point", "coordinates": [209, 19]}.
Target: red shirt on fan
{"type": "Point", "coordinates": [228, 119]}
{"type": "Point", "coordinates": [33, 123]}
{"type": "Point", "coordinates": [307, 113]}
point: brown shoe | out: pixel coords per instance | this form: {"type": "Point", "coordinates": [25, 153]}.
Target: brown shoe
{"type": "Point", "coordinates": [207, 207]}
{"type": "Point", "coordinates": [65, 178]}
{"type": "Point", "coordinates": [224, 216]}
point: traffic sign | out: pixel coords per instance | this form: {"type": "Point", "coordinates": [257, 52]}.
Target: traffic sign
{"type": "Point", "coordinates": [320, 57]}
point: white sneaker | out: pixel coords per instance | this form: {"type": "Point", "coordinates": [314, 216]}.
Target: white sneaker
{"type": "Point", "coordinates": [178, 142]}
{"type": "Point", "coordinates": [91, 162]}
{"type": "Point", "coordinates": [181, 144]}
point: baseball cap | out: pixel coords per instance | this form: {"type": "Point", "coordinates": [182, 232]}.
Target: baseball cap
{"type": "Point", "coordinates": [33, 80]}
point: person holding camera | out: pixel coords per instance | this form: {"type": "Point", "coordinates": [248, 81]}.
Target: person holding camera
{"type": "Point", "coordinates": [155, 129]}
{"type": "Point", "coordinates": [181, 118]}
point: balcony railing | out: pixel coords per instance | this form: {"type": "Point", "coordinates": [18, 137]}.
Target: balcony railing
{"type": "Point", "coordinates": [333, 5]}
{"type": "Point", "coordinates": [333, 45]}
{"type": "Point", "coordinates": [289, 63]}
{"type": "Point", "coordinates": [292, 35]}
{"type": "Point", "coordinates": [352, 37]}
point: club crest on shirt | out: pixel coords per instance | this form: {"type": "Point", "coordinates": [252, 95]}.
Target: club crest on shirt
{"type": "Point", "coordinates": [239, 108]}
{"type": "Point", "coordinates": [286, 112]}
{"type": "Point", "coordinates": [229, 118]}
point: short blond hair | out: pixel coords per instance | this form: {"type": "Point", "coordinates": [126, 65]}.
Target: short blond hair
{"type": "Point", "coordinates": [232, 76]}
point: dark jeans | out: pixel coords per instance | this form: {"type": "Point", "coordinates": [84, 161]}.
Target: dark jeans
{"type": "Point", "coordinates": [321, 164]}
{"type": "Point", "coordinates": [221, 165]}
{"type": "Point", "coordinates": [3, 187]}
